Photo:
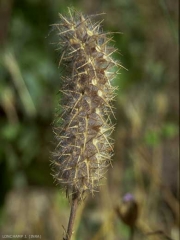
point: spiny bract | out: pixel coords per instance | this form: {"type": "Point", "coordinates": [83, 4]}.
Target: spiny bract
{"type": "Point", "coordinates": [84, 148]}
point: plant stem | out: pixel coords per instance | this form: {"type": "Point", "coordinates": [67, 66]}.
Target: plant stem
{"type": "Point", "coordinates": [131, 236]}
{"type": "Point", "coordinates": [74, 205]}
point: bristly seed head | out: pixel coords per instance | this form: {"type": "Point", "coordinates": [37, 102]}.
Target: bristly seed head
{"type": "Point", "coordinates": [83, 144]}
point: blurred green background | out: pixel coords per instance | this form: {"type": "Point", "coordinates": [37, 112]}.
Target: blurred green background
{"type": "Point", "coordinates": [146, 135]}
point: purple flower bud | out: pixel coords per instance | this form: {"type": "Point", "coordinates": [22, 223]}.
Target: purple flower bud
{"type": "Point", "coordinates": [128, 197]}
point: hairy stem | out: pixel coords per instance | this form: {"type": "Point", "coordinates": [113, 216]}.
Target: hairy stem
{"type": "Point", "coordinates": [74, 206]}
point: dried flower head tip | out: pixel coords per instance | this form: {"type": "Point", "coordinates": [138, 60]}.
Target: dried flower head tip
{"type": "Point", "coordinates": [84, 147]}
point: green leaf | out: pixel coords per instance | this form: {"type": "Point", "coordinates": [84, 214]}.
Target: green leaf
{"type": "Point", "coordinates": [169, 130]}
{"type": "Point", "coordinates": [152, 138]}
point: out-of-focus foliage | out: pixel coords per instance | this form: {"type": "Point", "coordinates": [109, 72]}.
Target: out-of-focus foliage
{"type": "Point", "coordinates": [147, 109]}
